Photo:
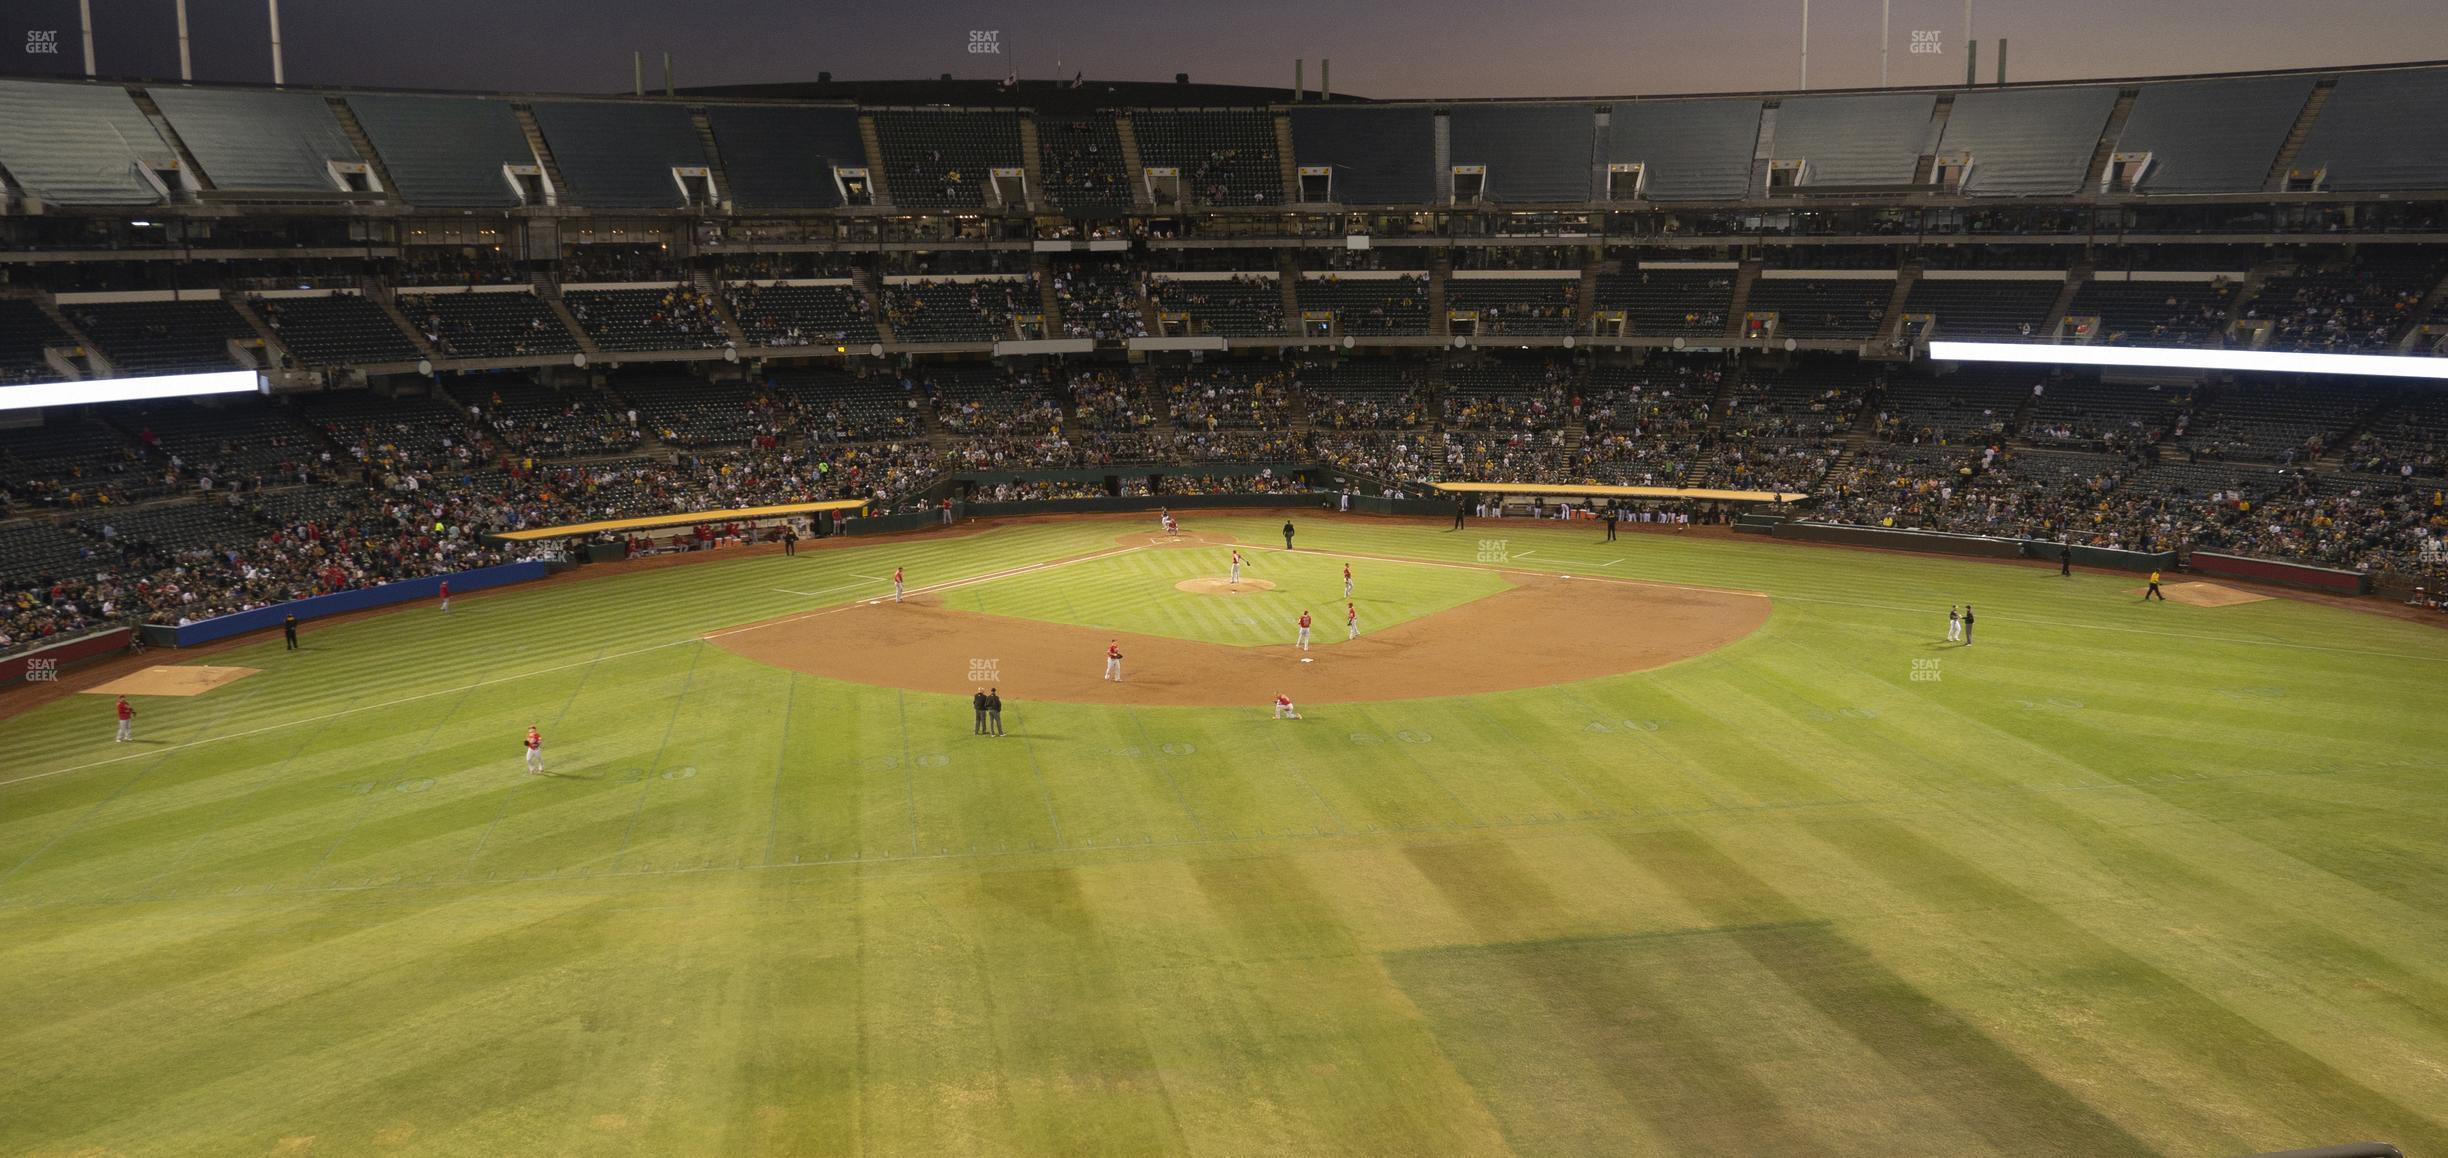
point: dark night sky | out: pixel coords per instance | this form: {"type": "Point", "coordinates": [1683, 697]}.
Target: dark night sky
{"type": "Point", "coordinates": [1381, 48]}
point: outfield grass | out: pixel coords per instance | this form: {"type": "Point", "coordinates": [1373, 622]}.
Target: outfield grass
{"type": "Point", "coordinates": [2121, 878]}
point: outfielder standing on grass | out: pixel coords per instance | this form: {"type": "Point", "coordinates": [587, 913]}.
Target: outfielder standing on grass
{"type": "Point", "coordinates": [127, 722]}
{"type": "Point", "coordinates": [1351, 621]}
{"type": "Point", "coordinates": [1347, 581]}
{"type": "Point", "coordinates": [896, 585]}
{"type": "Point", "coordinates": [1304, 630]}
{"type": "Point", "coordinates": [535, 751]}
{"type": "Point", "coordinates": [444, 592]}
{"type": "Point", "coordinates": [1113, 660]}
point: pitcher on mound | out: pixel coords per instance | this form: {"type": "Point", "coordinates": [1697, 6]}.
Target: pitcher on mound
{"type": "Point", "coordinates": [1113, 660]}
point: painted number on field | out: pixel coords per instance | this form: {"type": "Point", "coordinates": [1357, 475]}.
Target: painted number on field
{"type": "Point", "coordinates": [931, 760]}
{"type": "Point", "coordinates": [1178, 749]}
{"type": "Point", "coordinates": [683, 772]}
{"type": "Point", "coordinates": [1408, 736]}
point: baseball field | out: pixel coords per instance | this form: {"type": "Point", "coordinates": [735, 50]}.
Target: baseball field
{"type": "Point", "coordinates": [1681, 844]}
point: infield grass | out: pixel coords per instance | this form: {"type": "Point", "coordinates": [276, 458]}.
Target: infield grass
{"type": "Point", "coordinates": [1136, 591]}
{"type": "Point", "coordinates": [2118, 879]}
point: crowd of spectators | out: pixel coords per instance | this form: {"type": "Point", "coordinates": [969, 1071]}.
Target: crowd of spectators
{"type": "Point", "coordinates": [367, 492]}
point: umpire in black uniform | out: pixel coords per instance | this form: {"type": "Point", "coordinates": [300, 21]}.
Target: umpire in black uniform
{"type": "Point", "coordinates": [1287, 534]}
{"type": "Point", "coordinates": [994, 711]}
{"type": "Point", "coordinates": [289, 631]}
{"type": "Point", "coordinates": [1614, 513]}
{"type": "Point", "coordinates": [1461, 508]}
{"type": "Point", "coordinates": [978, 702]}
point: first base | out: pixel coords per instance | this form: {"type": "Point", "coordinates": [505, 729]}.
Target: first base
{"type": "Point", "coordinates": [1306, 659]}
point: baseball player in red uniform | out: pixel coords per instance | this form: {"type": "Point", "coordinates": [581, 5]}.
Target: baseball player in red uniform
{"type": "Point", "coordinates": [1304, 631]}
{"type": "Point", "coordinates": [1172, 526]}
{"type": "Point", "coordinates": [1351, 621]}
{"type": "Point", "coordinates": [1284, 709]}
{"type": "Point", "coordinates": [444, 592]}
{"type": "Point", "coordinates": [127, 722]}
{"type": "Point", "coordinates": [1113, 660]}
{"type": "Point", "coordinates": [1347, 581]}
{"type": "Point", "coordinates": [535, 751]}
{"type": "Point", "coordinates": [896, 585]}
{"type": "Point", "coordinates": [1236, 566]}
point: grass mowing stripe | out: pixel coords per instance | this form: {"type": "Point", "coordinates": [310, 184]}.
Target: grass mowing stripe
{"type": "Point", "coordinates": [365, 798]}
{"type": "Point", "coordinates": [1045, 796]}
{"type": "Point", "coordinates": [228, 806]}
{"type": "Point", "coordinates": [159, 759]}
{"type": "Point", "coordinates": [469, 870]}
{"type": "Point", "coordinates": [773, 799]}
{"type": "Point", "coordinates": [655, 765]}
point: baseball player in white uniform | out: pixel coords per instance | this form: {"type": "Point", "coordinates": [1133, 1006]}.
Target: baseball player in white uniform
{"type": "Point", "coordinates": [1113, 660]}
{"type": "Point", "coordinates": [1236, 566]}
{"type": "Point", "coordinates": [1351, 621]}
{"type": "Point", "coordinates": [1347, 581]}
{"type": "Point", "coordinates": [1304, 631]}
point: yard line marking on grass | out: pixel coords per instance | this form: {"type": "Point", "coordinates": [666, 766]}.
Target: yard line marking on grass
{"type": "Point", "coordinates": [1525, 554]}
{"type": "Point", "coordinates": [1610, 562]}
{"type": "Point", "coordinates": [656, 765]}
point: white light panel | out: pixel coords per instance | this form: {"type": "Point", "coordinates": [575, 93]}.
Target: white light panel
{"type": "Point", "coordinates": [128, 389]}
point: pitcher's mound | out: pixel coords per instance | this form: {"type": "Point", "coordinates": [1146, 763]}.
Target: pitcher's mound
{"type": "Point", "coordinates": [2206, 594]}
{"type": "Point", "coordinates": [165, 680]}
{"type": "Point", "coordinates": [1222, 586]}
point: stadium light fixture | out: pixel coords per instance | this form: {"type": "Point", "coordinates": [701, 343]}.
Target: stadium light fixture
{"type": "Point", "coordinates": [43, 394]}
{"type": "Point", "coordinates": [2173, 358]}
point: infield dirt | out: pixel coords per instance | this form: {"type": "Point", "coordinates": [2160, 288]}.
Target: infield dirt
{"type": "Point", "coordinates": [1548, 630]}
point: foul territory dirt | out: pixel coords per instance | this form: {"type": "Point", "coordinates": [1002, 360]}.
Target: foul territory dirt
{"type": "Point", "coordinates": [1548, 630]}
